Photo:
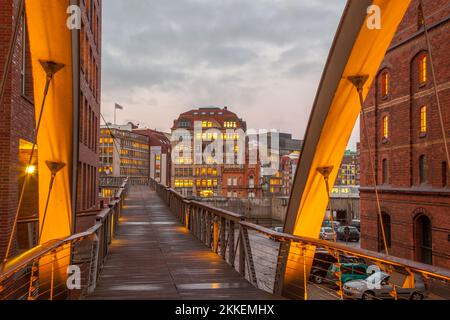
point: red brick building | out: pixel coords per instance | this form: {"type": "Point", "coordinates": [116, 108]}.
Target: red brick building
{"type": "Point", "coordinates": [90, 61]}
{"type": "Point", "coordinates": [288, 166]}
{"type": "Point", "coordinates": [211, 178]}
{"type": "Point", "coordinates": [405, 134]}
{"type": "Point", "coordinates": [17, 123]}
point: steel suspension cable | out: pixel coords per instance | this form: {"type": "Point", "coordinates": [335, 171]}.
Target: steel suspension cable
{"type": "Point", "coordinates": [358, 82]}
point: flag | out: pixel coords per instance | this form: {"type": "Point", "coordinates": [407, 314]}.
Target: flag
{"type": "Point", "coordinates": [118, 106]}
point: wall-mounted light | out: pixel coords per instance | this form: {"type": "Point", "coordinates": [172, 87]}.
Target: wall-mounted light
{"type": "Point", "coordinates": [31, 169]}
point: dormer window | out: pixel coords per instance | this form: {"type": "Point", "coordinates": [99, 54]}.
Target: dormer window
{"type": "Point", "coordinates": [385, 84]}
{"type": "Point", "coordinates": [385, 127]}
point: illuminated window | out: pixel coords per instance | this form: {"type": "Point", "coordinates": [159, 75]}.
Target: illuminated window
{"type": "Point", "coordinates": [229, 124]}
{"type": "Point", "coordinates": [423, 119]}
{"type": "Point", "coordinates": [385, 84]}
{"type": "Point", "coordinates": [422, 169]}
{"type": "Point", "coordinates": [423, 69]}
{"type": "Point", "coordinates": [385, 127]}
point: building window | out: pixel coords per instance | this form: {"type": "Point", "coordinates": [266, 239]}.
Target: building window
{"type": "Point", "coordinates": [385, 84]}
{"type": "Point", "coordinates": [423, 239]}
{"type": "Point", "coordinates": [422, 169]}
{"type": "Point", "coordinates": [385, 127]}
{"type": "Point", "coordinates": [385, 179]}
{"type": "Point", "coordinates": [423, 69]}
{"type": "Point", "coordinates": [444, 174]}
{"type": "Point", "coordinates": [251, 182]}
{"type": "Point", "coordinates": [420, 18]}
{"type": "Point", "coordinates": [387, 232]}
{"type": "Point", "coordinates": [423, 120]}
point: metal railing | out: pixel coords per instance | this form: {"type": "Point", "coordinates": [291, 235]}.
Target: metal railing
{"type": "Point", "coordinates": [66, 268]}
{"type": "Point", "coordinates": [110, 181]}
{"type": "Point", "coordinates": [263, 256]}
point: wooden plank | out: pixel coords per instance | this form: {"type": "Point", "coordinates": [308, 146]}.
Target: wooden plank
{"type": "Point", "coordinates": [155, 257]}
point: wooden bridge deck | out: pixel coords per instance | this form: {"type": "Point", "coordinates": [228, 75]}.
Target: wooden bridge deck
{"type": "Point", "coordinates": [155, 257]}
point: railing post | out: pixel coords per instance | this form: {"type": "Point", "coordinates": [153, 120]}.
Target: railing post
{"type": "Point", "coordinates": [204, 226]}
{"type": "Point", "coordinates": [241, 255]}
{"type": "Point", "coordinates": [188, 216]}
{"type": "Point", "coordinates": [215, 234]}
{"type": "Point", "coordinates": [93, 270]}
{"type": "Point", "coordinates": [245, 242]}
{"type": "Point", "coordinates": [231, 252]}
{"type": "Point", "coordinates": [223, 240]}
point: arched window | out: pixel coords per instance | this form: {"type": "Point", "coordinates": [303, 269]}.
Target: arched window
{"type": "Point", "coordinates": [385, 127]}
{"type": "Point", "coordinates": [387, 232]}
{"type": "Point", "coordinates": [423, 239]}
{"type": "Point", "coordinates": [423, 120]}
{"type": "Point", "coordinates": [385, 84]}
{"type": "Point", "coordinates": [423, 70]}
{"type": "Point", "coordinates": [422, 169]}
{"type": "Point", "coordinates": [385, 172]}
{"type": "Point", "coordinates": [251, 182]}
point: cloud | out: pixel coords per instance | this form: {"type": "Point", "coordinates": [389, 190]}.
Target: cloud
{"type": "Point", "coordinates": [263, 58]}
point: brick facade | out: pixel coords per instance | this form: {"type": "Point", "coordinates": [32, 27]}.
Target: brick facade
{"type": "Point", "coordinates": [410, 161]}
{"type": "Point", "coordinates": [90, 38]}
{"type": "Point", "coordinates": [17, 123]}
{"type": "Point", "coordinates": [16, 115]}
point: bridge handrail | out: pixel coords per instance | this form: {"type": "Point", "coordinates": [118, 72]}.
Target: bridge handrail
{"type": "Point", "coordinates": [414, 266]}
{"type": "Point", "coordinates": [217, 229]}
{"type": "Point", "coordinates": [102, 231]}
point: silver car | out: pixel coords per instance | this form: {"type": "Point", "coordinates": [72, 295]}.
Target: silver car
{"type": "Point", "coordinates": [326, 233]}
{"type": "Point", "coordinates": [377, 286]}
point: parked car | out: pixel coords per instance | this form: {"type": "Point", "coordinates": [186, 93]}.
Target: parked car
{"type": "Point", "coordinates": [347, 233]}
{"type": "Point", "coordinates": [377, 286]}
{"type": "Point", "coordinates": [326, 233]}
{"type": "Point", "coordinates": [356, 224]}
{"type": "Point", "coordinates": [327, 223]}
{"type": "Point", "coordinates": [349, 271]}
{"type": "Point", "coordinates": [322, 262]}
{"type": "Point", "coordinates": [278, 229]}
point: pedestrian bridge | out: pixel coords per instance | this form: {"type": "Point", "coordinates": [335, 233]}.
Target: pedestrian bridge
{"type": "Point", "coordinates": [151, 243]}
{"type": "Point", "coordinates": [153, 256]}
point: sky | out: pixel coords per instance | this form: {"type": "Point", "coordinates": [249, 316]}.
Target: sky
{"type": "Point", "coordinates": [261, 58]}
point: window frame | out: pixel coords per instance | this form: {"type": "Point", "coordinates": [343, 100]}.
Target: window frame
{"type": "Point", "coordinates": [423, 116]}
